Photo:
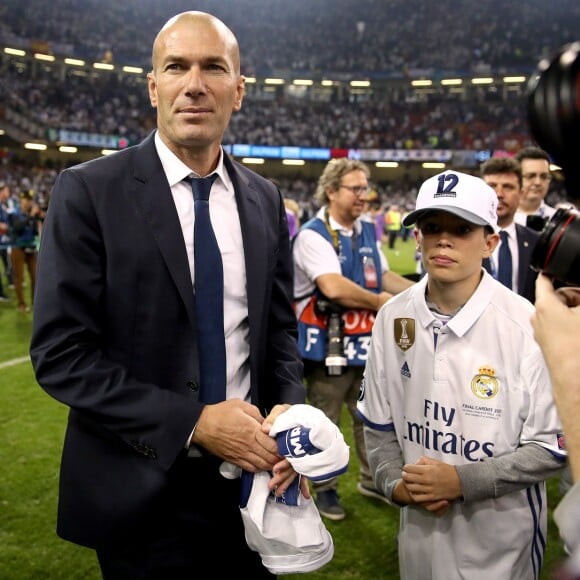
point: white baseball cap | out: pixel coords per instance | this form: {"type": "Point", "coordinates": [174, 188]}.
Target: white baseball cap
{"type": "Point", "coordinates": [463, 195]}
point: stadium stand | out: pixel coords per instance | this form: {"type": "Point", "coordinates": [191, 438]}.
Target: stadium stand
{"type": "Point", "coordinates": [374, 36]}
{"type": "Point", "coordinates": [389, 42]}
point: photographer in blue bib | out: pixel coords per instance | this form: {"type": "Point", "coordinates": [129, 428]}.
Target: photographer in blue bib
{"type": "Point", "coordinates": [341, 279]}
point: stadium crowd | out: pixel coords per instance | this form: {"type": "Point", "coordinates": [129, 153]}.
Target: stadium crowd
{"type": "Point", "coordinates": [377, 39]}
{"type": "Point", "coordinates": [383, 37]}
{"type": "Point", "coordinates": [110, 105]}
{"type": "Point", "coordinates": [382, 40]}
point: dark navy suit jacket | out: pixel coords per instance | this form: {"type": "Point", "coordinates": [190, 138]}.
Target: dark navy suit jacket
{"type": "Point", "coordinates": [527, 240]}
{"type": "Point", "coordinates": [113, 332]}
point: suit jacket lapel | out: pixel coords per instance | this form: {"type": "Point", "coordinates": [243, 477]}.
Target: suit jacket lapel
{"type": "Point", "coordinates": [524, 254]}
{"type": "Point", "coordinates": [153, 196]}
{"type": "Point", "coordinates": [255, 249]}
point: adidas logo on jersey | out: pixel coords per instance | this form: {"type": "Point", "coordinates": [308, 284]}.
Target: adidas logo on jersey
{"type": "Point", "coordinates": [405, 370]}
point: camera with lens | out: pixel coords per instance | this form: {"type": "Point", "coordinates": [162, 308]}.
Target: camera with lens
{"type": "Point", "coordinates": [335, 360]}
{"type": "Point", "coordinates": [557, 252]}
{"type": "Point", "coordinates": [536, 222]}
{"type": "Point", "coordinates": [554, 119]}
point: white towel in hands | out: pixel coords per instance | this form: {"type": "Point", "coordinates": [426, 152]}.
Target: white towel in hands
{"type": "Point", "coordinates": [288, 532]}
{"type": "Point", "coordinates": [313, 444]}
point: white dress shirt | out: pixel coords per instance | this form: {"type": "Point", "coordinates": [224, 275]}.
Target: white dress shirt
{"type": "Point", "coordinates": [226, 224]}
{"type": "Point", "coordinates": [545, 211]}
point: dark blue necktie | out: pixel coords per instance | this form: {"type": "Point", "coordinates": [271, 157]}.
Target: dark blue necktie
{"type": "Point", "coordinates": [209, 297]}
{"type": "Point", "coordinates": [504, 261]}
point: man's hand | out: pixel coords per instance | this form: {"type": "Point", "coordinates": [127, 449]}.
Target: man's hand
{"type": "Point", "coordinates": [556, 321]}
{"type": "Point", "coordinates": [283, 472]}
{"type": "Point", "coordinates": [283, 476]}
{"type": "Point", "coordinates": [233, 431]}
{"type": "Point", "coordinates": [272, 416]}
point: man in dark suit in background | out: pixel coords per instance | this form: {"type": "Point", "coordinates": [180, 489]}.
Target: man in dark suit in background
{"type": "Point", "coordinates": [536, 180]}
{"type": "Point", "coordinates": [504, 175]}
{"type": "Point", "coordinates": [115, 338]}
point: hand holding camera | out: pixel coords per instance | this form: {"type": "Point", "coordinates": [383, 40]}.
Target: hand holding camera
{"type": "Point", "coordinates": [557, 253]}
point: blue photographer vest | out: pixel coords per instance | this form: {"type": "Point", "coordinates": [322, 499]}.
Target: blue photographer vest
{"type": "Point", "coordinates": [360, 262]}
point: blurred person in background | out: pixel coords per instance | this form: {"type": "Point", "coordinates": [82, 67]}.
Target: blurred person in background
{"type": "Point", "coordinates": [504, 175]}
{"type": "Point", "coordinates": [536, 180]}
{"type": "Point", "coordinates": [117, 335]}
{"type": "Point", "coordinates": [337, 262]}
{"type": "Point", "coordinates": [5, 210]}
{"type": "Point", "coordinates": [24, 229]}
{"type": "Point", "coordinates": [406, 231]}
{"type": "Point", "coordinates": [374, 213]}
{"type": "Point", "coordinates": [393, 219]}
{"type": "Point", "coordinates": [293, 216]}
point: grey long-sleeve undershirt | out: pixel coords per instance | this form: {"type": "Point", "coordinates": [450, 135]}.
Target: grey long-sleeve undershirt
{"type": "Point", "coordinates": [480, 480]}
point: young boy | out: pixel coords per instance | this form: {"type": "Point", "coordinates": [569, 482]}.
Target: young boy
{"type": "Point", "coordinates": [460, 425]}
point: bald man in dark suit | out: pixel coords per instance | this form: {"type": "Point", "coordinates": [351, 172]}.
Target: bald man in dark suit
{"type": "Point", "coordinates": [116, 335]}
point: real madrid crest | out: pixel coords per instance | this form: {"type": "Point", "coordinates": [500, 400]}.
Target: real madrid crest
{"type": "Point", "coordinates": [484, 385]}
{"type": "Point", "coordinates": [404, 332]}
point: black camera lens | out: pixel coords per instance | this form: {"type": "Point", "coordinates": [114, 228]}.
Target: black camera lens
{"type": "Point", "coordinates": [335, 360]}
{"type": "Point", "coordinates": [554, 111]}
{"type": "Point", "coordinates": [557, 253]}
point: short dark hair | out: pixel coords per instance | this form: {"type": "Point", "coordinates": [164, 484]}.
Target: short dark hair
{"type": "Point", "coordinates": [496, 165]}
{"type": "Point", "coordinates": [532, 153]}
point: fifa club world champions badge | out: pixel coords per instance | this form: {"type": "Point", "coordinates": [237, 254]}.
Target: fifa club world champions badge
{"type": "Point", "coordinates": [404, 332]}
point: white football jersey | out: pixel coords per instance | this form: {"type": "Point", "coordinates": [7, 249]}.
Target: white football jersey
{"type": "Point", "coordinates": [472, 389]}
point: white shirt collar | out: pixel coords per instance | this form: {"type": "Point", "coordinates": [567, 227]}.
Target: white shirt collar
{"type": "Point", "coordinates": [176, 171]}
{"type": "Point", "coordinates": [511, 230]}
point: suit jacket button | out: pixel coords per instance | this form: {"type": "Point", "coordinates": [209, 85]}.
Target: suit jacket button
{"type": "Point", "coordinates": [193, 386]}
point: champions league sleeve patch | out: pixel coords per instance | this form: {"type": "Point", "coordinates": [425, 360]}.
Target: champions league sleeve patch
{"type": "Point", "coordinates": [404, 329]}
{"type": "Point", "coordinates": [561, 441]}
